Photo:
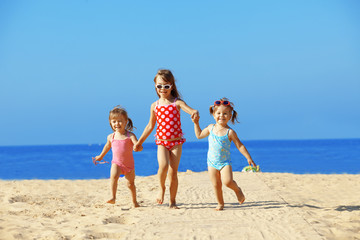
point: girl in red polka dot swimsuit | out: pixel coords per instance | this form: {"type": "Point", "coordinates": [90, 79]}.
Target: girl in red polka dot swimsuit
{"type": "Point", "coordinates": [169, 125]}
{"type": "Point", "coordinates": [165, 113]}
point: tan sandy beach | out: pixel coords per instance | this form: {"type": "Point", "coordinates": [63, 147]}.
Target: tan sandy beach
{"type": "Point", "coordinates": [278, 206]}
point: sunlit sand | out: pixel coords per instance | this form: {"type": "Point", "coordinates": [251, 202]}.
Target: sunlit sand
{"type": "Point", "coordinates": [277, 206]}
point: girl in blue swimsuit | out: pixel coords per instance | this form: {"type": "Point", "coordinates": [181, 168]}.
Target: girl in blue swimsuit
{"type": "Point", "coordinates": [218, 158]}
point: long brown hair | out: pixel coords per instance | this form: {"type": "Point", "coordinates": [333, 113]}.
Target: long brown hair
{"type": "Point", "coordinates": [167, 76]}
{"type": "Point", "coordinates": [231, 106]}
{"type": "Point", "coordinates": [118, 111]}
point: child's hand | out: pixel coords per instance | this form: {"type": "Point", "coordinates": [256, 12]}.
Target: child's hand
{"type": "Point", "coordinates": [97, 158]}
{"type": "Point", "coordinates": [251, 163]}
{"type": "Point", "coordinates": [138, 148]}
{"type": "Point", "coordinates": [195, 120]}
{"type": "Point", "coordinates": [195, 116]}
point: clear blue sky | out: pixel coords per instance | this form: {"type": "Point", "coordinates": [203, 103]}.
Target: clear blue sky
{"type": "Point", "coordinates": [292, 68]}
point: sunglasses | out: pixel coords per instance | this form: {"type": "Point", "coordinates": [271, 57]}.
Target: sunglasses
{"type": "Point", "coordinates": [99, 162]}
{"type": "Point", "coordinates": [218, 103]}
{"type": "Point", "coordinates": [166, 86]}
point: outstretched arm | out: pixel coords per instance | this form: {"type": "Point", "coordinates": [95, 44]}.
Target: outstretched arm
{"type": "Point", "coordinates": [242, 149]}
{"type": "Point", "coordinates": [135, 141]}
{"type": "Point", "coordinates": [105, 150]}
{"type": "Point", "coordinates": [148, 129]}
{"type": "Point", "coordinates": [200, 134]}
{"type": "Point", "coordinates": [193, 113]}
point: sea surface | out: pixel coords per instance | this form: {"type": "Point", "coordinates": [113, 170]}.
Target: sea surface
{"type": "Point", "coordinates": [74, 161]}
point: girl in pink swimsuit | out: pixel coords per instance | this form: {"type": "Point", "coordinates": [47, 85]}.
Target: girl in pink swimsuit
{"type": "Point", "coordinates": [121, 142]}
{"type": "Point", "coordinates": [165, 112]}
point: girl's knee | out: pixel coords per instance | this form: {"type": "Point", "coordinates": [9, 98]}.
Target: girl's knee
{"type": "Point", "coordinates": [163, 168]}
{"type": "Point", "coordinates": [217, 184]}
{"type": "Point", "coordinates": [173, 176]}
{"type": "Point", "coordinates": [228, 183]}
{"type": "Point", "coordinates": [114, 177]}
{"type": "Point", "coordinates": [130, 184]}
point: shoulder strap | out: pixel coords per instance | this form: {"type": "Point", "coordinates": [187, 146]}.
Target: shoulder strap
{"type": "Point", "coordinates": [113, 136]}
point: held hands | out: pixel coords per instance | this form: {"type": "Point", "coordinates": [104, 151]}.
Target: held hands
{"type": "Point", "coordinates": [137, 147]}
{"type": "Point", "coordinates": [195, 116]}
{"type": "Point", "coordinates": [195, 120]}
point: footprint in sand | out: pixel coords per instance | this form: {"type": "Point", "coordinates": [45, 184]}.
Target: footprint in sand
{"type": "Point", "coordinates": [119, 220]}
{"type": "Point", "coordinates": [19, 198]}
{"type": "Point", "coordinates": [115, 219]}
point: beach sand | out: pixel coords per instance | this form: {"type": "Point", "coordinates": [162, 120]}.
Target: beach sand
{"type": "Point", "coordinates": [277, 206]}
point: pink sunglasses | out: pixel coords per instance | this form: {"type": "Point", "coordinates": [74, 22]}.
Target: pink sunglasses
{"type": "Point", "coordinates": [99, 162]}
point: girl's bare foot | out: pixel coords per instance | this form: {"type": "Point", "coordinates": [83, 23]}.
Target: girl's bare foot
{"type": "Point", "coordinates": [112, 201]}
{"type": "Point", "coordinates": [240, 196]}
{"type": "Point", "coordinates": [173, 206]}
{"type": "Point", "coordinates": [160, 198]}
{"type": "Point", "coordinates": [219, 207]}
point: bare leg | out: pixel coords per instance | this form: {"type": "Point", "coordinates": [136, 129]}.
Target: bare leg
{"type": "Point", "coordinates": [175, 155]}
{"type": "Point", "coordinates": [130, 177]}
{"type": "Point", "coordinates": [227, 179]}
{"type": "Point", "coordinates": [163, 160]}
{"type": "Point", "coordinates": [114, 177]}
{"type": "Point", "coordinates": [216, 181]}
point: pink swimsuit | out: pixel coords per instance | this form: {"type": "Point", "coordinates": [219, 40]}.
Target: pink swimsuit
{"type": "Point", "coordinates": [168, 125]}
{"type": "Point", "coordinates": [122, 151]}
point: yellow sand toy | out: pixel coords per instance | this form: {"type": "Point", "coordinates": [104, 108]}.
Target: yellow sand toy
{"type": "Point", "coordinates": [251, 169]}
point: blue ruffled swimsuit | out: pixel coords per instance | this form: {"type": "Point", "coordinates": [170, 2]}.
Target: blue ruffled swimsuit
{"type": "Point", "coordinates": [219, 150]}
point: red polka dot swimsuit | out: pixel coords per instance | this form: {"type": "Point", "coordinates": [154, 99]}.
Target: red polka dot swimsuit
{"type": "Point", "coordinates": [168, 125]}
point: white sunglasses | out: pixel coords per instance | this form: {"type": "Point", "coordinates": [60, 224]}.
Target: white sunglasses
{"type": "Point", "coordinates": [166, 86]}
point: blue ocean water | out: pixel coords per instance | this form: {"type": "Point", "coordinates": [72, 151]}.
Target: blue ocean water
{"type": "Point", "coordinates": [74, 161]}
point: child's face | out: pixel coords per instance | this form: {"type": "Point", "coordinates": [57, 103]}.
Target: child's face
{"type": "Point", "coordinates": [163, 92]}
{"type": "Point", "coordinates": [118, 123]}
{"type": "Point", "coordinates": [222, 115]}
